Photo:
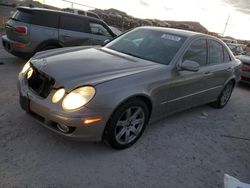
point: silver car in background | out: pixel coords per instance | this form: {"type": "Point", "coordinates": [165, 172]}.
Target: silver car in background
{"type": "Point", "coordinates": [110, 93]}
{"type": "Point", "coordinates": [245, 74]}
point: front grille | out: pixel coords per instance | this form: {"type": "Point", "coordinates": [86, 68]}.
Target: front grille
{"type": "Point", "coordinates": [40, 83]}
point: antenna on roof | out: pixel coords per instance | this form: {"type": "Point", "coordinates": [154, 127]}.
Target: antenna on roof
{"type": "Point", "coordinates": [226, 24]}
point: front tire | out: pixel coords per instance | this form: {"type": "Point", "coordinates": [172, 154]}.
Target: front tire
{"type": "Point", "coordinates": [127, 124]}
{"type": "Point", "coordinates": [225, 95]}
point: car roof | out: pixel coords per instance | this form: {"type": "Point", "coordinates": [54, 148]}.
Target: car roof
{"type": "Point", "coordinates": [22, 8]}
{"type": "Point", "coordinates": [180, 32]}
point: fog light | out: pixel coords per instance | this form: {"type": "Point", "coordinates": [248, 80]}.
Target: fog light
{"type": "Point", "coordinates": [63, 128]}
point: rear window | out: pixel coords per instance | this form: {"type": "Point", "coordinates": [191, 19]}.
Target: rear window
{"type": "Point", "coordinates": [74, 24]}
{"type": "Point", "coordinates": [81, 12]}
{"type": "Point", "coordinates": [42, 18]}
{"type": "Point", "coordinates": [22, 16]}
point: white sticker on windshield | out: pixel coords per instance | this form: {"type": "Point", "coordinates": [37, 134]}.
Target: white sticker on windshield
{"type": "Point", "coordinates": [171, 37]}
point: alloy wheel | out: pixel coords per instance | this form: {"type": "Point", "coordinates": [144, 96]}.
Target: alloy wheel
{"type": "Point", "coordinates": [226, 94]}
{"type": "Point", "coordinates": [129, 125]}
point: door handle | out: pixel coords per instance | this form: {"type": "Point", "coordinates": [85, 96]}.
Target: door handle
{"type": "Point", "coordinates": [66, 36]}
{"type": "Point", "coordinates": [230, 69]}
{"type": "Point", "coordinates": [208, 73]}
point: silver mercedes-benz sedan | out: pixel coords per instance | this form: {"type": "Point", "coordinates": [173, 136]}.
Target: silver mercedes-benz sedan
{"type": "Point", "coordinates": [111, 93]}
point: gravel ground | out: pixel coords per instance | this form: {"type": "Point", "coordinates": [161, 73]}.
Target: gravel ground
{"type": "Point", "coordinates": [190, 149]}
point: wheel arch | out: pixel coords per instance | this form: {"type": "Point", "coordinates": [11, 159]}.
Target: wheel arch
{"type": "Point", "coordinates": [50, 42]}
{"type": "Point", "coordinates": [145, 98]}
{"type": "Point", "coordinates": [231, 79]}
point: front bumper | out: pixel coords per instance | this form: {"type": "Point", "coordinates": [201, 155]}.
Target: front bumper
{"type": "Point", "coordinates": [49, 115]}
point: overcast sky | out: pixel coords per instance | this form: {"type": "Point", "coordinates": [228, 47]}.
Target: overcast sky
{"type": "Point", "coordinates": [212, 14]}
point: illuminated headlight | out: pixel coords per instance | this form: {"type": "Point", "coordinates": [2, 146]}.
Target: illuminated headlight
{"type": "Point", "coordinates": [78, 98]}
{"type": "Point", "coordinates": [29, 73]}
{"type": "Point", "coordinates": [26, 67]}
{"type": "Point", "coordinates": [58, 95]}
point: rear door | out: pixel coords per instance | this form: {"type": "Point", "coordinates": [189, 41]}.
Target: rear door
{"type": "Point", "coordinates": [219, 68]}
{"type": "Point", "coordinates": [44, 27]}
{"type": "Point", "coordinates": [74, 31]}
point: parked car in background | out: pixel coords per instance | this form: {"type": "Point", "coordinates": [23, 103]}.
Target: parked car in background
{"type": "Point", "coordinates": [237, 49]}
{"type": "Point", "coordinates": [115, 30]}
{"type": "Point", "coordinates": [247, 49]}
{"type": "Point", "coordinates": [227, 40]}
{"type": "Point", "coordinates": [81, 12]}
{"type": "Point", "coordinates": [243, 47]}
{"type": "Point", "coordinates": [31, 30]}
{"type": "Point", "coordinates": [245, 59]}
{"type": "Point", "coordinates": [111, 92]}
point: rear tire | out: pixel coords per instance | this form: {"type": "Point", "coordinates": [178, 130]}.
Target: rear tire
{"type": "Point", "coordinates": [127, 124]}
{"type": "Point", "coordinates": [225, 95]}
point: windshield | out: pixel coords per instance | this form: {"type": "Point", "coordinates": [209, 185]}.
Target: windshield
{"type": "Point", "coordinates": [148, 44]}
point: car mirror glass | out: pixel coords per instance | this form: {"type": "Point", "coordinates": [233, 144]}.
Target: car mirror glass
{"type": "Point", "coordinates": [189, 65]}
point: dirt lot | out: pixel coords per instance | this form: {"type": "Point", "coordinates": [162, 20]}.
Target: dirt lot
{"type": "Point", "coordinates": [188, 150]}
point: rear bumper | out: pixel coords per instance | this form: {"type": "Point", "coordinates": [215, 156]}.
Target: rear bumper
{"type": "Point", "coordinates": [16, 48]}
{"type": "Point", "coordinates": [245, 77]}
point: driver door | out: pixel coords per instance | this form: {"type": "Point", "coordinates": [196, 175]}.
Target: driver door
{"type": "Point", "coordinates": [188, 89]}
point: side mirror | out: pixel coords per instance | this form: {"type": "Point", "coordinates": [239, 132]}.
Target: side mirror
{"type": "Point", "coordinates": [105, 42]}
{"type": "Point", "coordinates": [189, 65]}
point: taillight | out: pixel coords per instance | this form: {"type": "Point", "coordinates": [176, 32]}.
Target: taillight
{"type": "Point", "coordinates": [18, 45]}
{"type": "Point", "coordinates": [245, 68]}
{"type": "Point", "coordinates": [21, 30]}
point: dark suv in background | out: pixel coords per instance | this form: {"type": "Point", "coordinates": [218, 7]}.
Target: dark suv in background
{"type": "Point", "coordinates": [31, 30]}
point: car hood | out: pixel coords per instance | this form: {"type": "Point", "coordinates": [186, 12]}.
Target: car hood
{"type": "Point", "coordinates": [244, 58]}
{"type": "Point", "coordinates": [73, 67]}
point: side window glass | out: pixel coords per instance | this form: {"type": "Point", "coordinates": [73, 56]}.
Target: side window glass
{"type": "Point", "coordinates": [215, 52]}
{"type": "Point", "coordinates": [46, 19]}
{"type": "Point", "coordinates": [73, 23]}
{"type": "Point", "coordinates": [197, 52]}
{"type": "Point", "coordinates": [227, 57]}
{"type": "Point", "coordinates": [81, 12]}
{"type": "Point", "coordinates": [98, 29]}
{"type": "Point", "coordinates": [22, 16]}
{"type": "Point", "coordinates": [92, 15]}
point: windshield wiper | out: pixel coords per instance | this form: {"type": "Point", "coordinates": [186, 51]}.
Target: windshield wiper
{"type": "Point", "coordinates": [128, 53]}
